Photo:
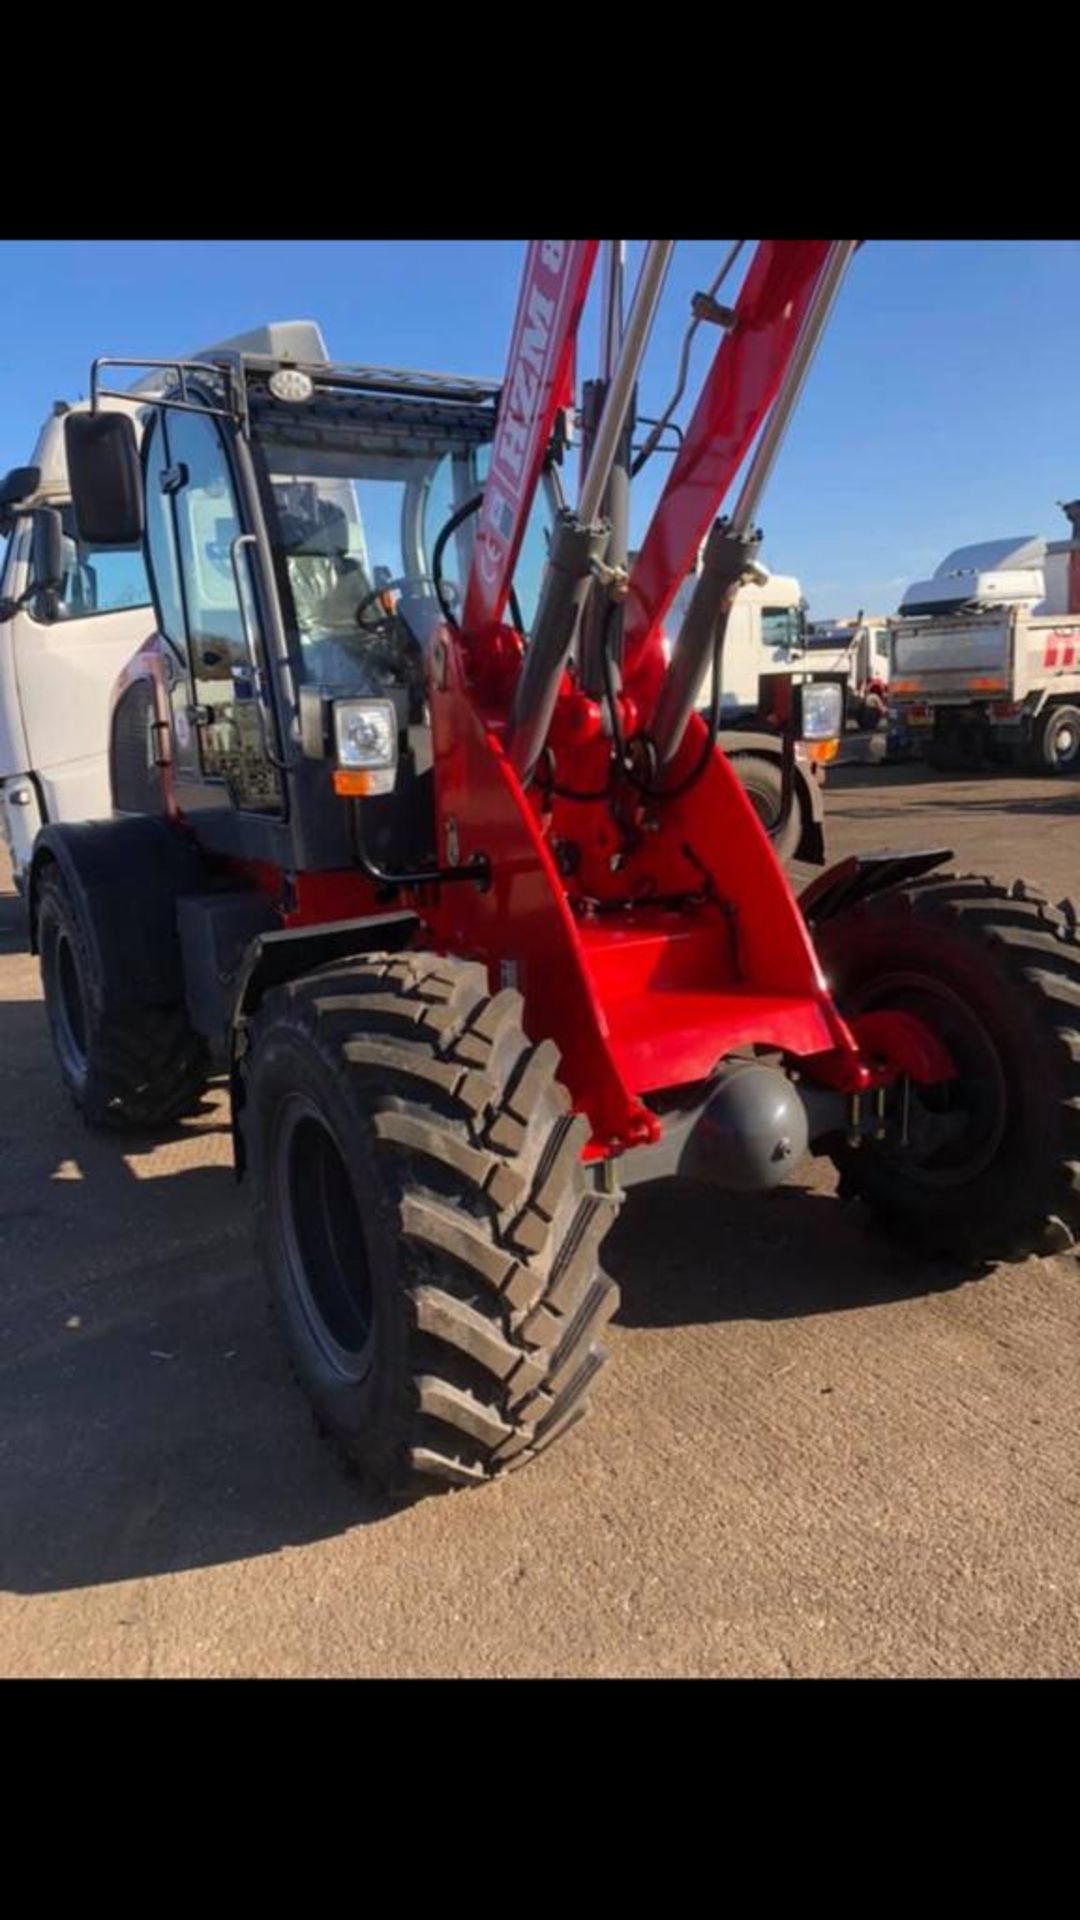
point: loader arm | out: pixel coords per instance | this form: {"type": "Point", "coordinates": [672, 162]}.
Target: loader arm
{"type": "Point", "coordinates": [651, 931]}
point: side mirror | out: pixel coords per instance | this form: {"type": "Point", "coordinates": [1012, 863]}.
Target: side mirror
{"type": "Point", "coordinates": [105, 479]}
{"type": "Point", "coordinates": [48, 550]}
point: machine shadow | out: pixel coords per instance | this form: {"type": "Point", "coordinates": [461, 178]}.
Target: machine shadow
{"type": "Point", "coordinates": [901, 785]}
{"type": "Point", "coordinates": [149, 1420]}
{"type": "Point", "coordinates": [14, 931]}
{"type": "Point", "coordinates": [683, 1254]}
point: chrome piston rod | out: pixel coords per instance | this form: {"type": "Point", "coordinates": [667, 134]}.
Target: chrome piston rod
{"type": "Point", "coordinates": [631, 352]}
{"type": "Point", "coordinates": [694, 648]}
{"type": "Point", "coordinates": [578, 544]}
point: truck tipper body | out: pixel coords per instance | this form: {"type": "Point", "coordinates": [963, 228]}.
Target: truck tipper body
{"type": "Point", "coordinates": [985, 658]}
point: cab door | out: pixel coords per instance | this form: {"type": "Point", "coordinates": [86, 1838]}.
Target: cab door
{"type": "Point", "coordinates": [68, 650]}
{"type": "Point", "coordinates": [225, 762]}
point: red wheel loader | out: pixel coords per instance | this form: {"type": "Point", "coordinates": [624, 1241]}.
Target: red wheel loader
{"type": "Point", "coordinates": [466, 900]}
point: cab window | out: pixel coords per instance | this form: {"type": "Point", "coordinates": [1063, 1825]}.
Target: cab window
{"type": "Point", "coordinates": [451, 485]}
{"type": "Point", "coordinates": [96, 580]}
{"type": "Point", "coordinates": [781, 626]}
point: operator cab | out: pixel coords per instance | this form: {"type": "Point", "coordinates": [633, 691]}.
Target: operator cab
{"type": "Point", "coordinates": [308, 530]}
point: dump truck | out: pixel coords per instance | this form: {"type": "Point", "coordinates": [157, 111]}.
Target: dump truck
{"type": "Point", "coordinates": [463, 900]}
{"type": "Point", "coordinates": [986, 657]}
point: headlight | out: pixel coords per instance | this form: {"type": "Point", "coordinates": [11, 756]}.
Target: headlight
{"type": "Point", "coordinates": [366, 739]}
{"type": "Point", "coordinates": [822, 710]}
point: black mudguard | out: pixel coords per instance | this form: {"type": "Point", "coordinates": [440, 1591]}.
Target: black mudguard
{"type": "Point", "coordinates": [126, 876]}
{"type": "Point", "coordinates": [861, 875]}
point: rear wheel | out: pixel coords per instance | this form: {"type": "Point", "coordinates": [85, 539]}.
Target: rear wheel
{"type": "Point", "coordinates": [428, 1229]}
{"type": "Point", "coordinates": [764, 783]}
{"type": "Point", "coordinates": [124, 1065]}
{"type": "Point", "coordinates": [1057, 743]}
{"type": "Point", "coordinates": [991, 1168]}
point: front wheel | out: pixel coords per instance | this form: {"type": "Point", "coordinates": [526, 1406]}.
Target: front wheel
{"type": "Point", "coordinates": [427, 1226]}
{"type": "Point", "coordinates": [985, 1166]}
{"type": "Point", "coordinates": [764, 783]}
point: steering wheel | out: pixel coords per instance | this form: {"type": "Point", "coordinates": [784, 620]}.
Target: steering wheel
{"type": "Point", "coordinates": [388, 586]}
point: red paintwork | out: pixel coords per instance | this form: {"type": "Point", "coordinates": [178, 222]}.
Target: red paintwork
{"type": "Point", "coordinates": [899, 1042]}
{"type": "Point", "coordinates": [553, 289]}
{"type": "Point", "coordinates": [522, 925]}
{"type": "Point", "coordinates": [639, 1000]}
{"type": "Point", "coordinates": [1059, 651]}
{"type": "Point", "coordinates": [148, 663]}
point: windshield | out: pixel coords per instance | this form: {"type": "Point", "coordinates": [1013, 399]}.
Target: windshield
{"type": "Point", "coordinates": [355, 530]}
{"type": "Point", "coordinates": [781, 627]}
{"type": "Point", "coordinates": [355, 578]}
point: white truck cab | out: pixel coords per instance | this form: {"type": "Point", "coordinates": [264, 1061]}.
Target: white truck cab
{"type": "Point", "coordinates": [764, 635]}
{"type": "Point", "coordinates": [63, 645]}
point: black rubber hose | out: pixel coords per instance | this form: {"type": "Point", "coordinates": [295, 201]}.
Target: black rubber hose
{"type": "Point", "coordinates": [451, 526]}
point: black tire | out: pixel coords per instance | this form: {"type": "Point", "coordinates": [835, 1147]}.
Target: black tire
{"type": "Point", "coordinates": [764, 782]}
{"type": "Point", "coordinates": [992, 1171]}
{"type": "Point", "coordinates": [126, 1066]}
{"type": "Point", "coordinates": [427, 1227]}
{"type": "Point", "coordinates": [1057, 741]}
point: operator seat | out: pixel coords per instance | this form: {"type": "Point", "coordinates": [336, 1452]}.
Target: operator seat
{"type": "Point", "coordinates": [328, 583]}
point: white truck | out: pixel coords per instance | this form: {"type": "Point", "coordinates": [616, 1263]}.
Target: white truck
{"type": "Point", "coordinates": [985, 657]}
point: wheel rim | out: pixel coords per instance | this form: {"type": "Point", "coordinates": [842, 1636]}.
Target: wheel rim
{"type": "Point", "coordinates": [955, 1128]}
{"type": "Point", "coordinates": [67, 1008]}
{"type": "Point", "coordinates": [1065, 743]}
{"type": "Point", "coordinates": [324, 1245]}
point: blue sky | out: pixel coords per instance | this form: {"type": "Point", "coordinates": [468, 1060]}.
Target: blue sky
{"type": "Point", "coordinates": [944, 405]}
